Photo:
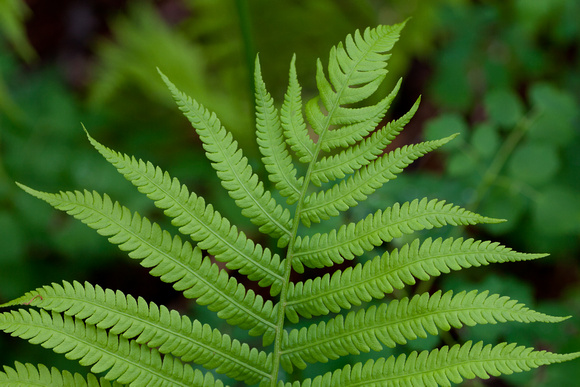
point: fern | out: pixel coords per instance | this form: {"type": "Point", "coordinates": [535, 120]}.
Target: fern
{"type": "Point", "coordinates": [128, 341]}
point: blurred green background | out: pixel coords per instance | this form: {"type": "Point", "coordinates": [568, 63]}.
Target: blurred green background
{"type": "Point", "coordinates": [505, 74]}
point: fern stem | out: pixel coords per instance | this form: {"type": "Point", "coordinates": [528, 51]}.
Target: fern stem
{"type": "Point", "coordinates": [491, 175]}
{"type": "Point", "coordinates": [277, 353]}
{"type": "Point", "coordinates": [290, 253]}
{"type": "Point", "coordinates": [249, 50]}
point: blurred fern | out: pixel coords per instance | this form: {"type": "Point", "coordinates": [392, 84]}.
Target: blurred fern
{"type": "Point", "coordinates": [130, 61]}
{"type": "Point", "coordinates": [135, 342]}
{"type": "Point", "coordinates": [12, 16]}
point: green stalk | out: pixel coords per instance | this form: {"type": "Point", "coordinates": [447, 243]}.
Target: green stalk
{"type": "Point", "coordinates": [288, 267]}
{"type": "Point", "coordinates": [248, 42]}
{"type": "Point", "coordinates": [491, 175]}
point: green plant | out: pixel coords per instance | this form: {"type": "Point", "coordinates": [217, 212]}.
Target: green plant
{"type": "Point", "coordinates": [12, 15]}
{"type": "Point", "coordinates": [510, 112]}
{"type": "Point", "coordinates": [138, 343]}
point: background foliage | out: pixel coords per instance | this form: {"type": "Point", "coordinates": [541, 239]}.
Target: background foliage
{"type": "Point", "coordinates": [504, 74]}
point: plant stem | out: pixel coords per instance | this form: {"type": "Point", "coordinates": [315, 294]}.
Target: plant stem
{"type": "Point", "coordinates": [492, 173]}
{"type": "Point", "coordinates": [288, 270]}
{"type": "Point", "coordinates": [277, 352]}
{"type": "Point", "coordinates": [248, 42]}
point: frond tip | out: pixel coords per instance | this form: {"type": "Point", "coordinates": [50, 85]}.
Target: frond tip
{"type": "Point", "coordinates": [232, 167]}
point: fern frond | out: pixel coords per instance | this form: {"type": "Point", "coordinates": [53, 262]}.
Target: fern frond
{"type": "Point", "coordinates": [292, 120]}
{"type": "Point", "coordinates": [201, 222]}
{"type": "Point", "coordinates": [440, 367]}
{"type": "Point", "coordinates": [355, 73]}
{"type": "Point", "coordinates": [352, 240]}
{"type": "Point", "coordinates": [383, 274]}
{"type": "Point", "coordinates": [400, 321]}
{"type": "Point", "coordinates": [170, 259]}
{"type": "Point", "coordinates": [272, 145]}
{"type": "Point", "coordinates": [353, 158]}
{"type": "Point", "coordinates": [31, 375]}
{"type": "Point", "coordinates": [359, 64]}
{"type": "Point", "coordinates": [341, 147]}
{"type": "Point", "coordinates": [348, 193]}
{"type": "Point", "coordinates": [123, 361]}
{"type": "Point", "coordinates": [233, 169]}
{"type": "Point", "coordinates": [154, 326]}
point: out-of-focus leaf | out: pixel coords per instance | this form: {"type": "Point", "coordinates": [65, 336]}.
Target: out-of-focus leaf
{"type": "Point", "coordinates": [533, 14]}
{"type": "Point", "coordinates": [547, 97]}
{"type": "Point", "coordinates": [450, 87]}
{"type": "Point", "coordinates": [506, 204]}
{"type": "Point", "coordinates": [551, 127]}
{"type": "Point", "coordinates": [446, 125]}
{"type": "Point", "coordinates": [12, 16]}
{"type": "Point", "coordinates": [485, 140]}
{"type": "Point", "coordinates": [143, 42]}
{"type": "Point", "coordinates": [11, 239]}
{"type": "Point", "coordinates": [504, 107]}
{"type": "Point", "coordinates": [461, 164]}
{"type": "Point", "coordinates": [557, 111]}
{"type": "Point", "coordinates": [557, 211]}
{"type": "Point", "coordinates": [534, 163]}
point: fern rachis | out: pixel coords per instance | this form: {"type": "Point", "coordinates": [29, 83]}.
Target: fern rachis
{"type": "Point", "coordinates": [131, 341]}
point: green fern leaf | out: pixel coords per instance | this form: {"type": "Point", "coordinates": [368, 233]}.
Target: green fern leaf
{"type": "Point", "coordinates": [353, 158]}
{"type": "Point", "coordinates": [30, 375]}
{"type": "Point", "coordinates": [124, 361]}
{"type": "Point", "coordinates": [348, 193]}
{"type": "Point", "coordinates": [154, 326]}
{"type": "Point", "coordinates": [272, 145]}
{"type": "Point", "coordinates": [173, 261]}
{"type": "Point", "coordinates": [398, 322]}
{"type": "Point", "coordinates": [355, 73]}
{"type": "Point", "coordinates": [200, 221]}
{"type": "Point", "coordinates": [233, 169]}
{"type": "Point", "coordinates": [292, 120]}
{"type": "Point", "coordinates": [383, 274]}
{"type": "Point", "coordinates": [439, 367]}
{"type": "Point", "coordinates": [352, 240]}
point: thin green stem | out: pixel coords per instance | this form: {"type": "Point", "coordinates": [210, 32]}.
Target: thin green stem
{"type": "Point", "coordinates": [248, 42]}
{"type": "Point", "coordinates": [290, 251]}
{"type": "Point", "coordinates": [491, 175]}
{"type": "Point", "coordinates": [288, 267]}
